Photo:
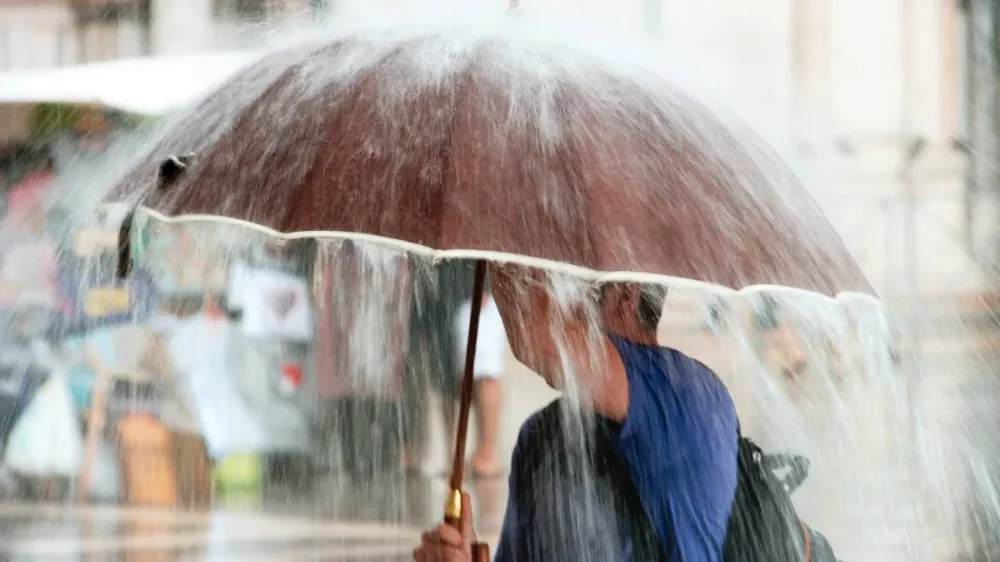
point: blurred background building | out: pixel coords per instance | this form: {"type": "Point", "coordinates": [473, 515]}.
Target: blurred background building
{"type": "Point", "coordinates": [870, 98]}
{"type": "Point", "coordinates": [48, 33]}
{"type": "Point", "coordinates": [887, 108]}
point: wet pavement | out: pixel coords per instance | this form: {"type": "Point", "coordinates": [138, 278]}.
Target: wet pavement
{"type": "Point", "coordinates": [336, 520]}
{"type": "Point", "coordinates": [38, 532]}
{"type": "Point", "coordinates": [339, 519]}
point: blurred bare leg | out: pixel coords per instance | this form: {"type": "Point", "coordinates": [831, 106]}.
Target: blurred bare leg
{"type": "Point", "coordinates": [488, 396]}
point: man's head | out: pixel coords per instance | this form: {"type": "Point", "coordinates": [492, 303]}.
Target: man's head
{"type": "Point", "coordinates": [553, 325]}
{"type": "Point", "coordinates": [632, 310]}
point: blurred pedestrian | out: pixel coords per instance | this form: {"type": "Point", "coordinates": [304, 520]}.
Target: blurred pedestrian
{"type": "Point", "coordinates": [28, 266]}
{"type": "Point", "coordinates": [432, 359]}
{"type": "Point", "coordinates": [491, 350]}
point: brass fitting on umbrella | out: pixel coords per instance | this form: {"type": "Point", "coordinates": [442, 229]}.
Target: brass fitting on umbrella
{"type": "Point", "coordinates": [453, 507]}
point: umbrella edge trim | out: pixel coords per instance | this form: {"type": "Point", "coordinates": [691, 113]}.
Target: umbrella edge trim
{"type": "Point", "coordinates": [592, 275]}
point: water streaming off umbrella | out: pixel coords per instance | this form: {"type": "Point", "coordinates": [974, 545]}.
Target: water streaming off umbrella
{"type": "Point", "coordinates": [808, 373]}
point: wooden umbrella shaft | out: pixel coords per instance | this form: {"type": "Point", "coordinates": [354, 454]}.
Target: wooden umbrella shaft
{"type": "Point", "coordinates": [465, 396]}
{"type": "Point", "coordinates": [453, 509]}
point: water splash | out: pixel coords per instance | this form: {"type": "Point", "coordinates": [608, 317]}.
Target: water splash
{"type": "Point", "coordinates": [819, 378]}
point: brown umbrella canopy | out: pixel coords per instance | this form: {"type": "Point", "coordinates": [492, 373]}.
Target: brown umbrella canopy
{"type": "Point", "coordinates": [498, 141]}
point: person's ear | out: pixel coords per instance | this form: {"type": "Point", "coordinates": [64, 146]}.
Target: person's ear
{"type": "Point", "coordinates": [622, 298]}
{"type": "Point", "coordinates": [631, 297]}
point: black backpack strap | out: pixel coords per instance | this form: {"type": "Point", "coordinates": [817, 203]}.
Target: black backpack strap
{"type": "Point", "coordinates": [797, 466]}
{"type": "Point", "coordinates": [608, 467]}
{"type": "Point", "coordinates": [763, 525]}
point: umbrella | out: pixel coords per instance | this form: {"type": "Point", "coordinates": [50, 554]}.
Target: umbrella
{"type": "Point", "coordinates": [492, 145]}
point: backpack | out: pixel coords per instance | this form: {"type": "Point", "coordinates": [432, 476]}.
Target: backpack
{"type": "Point", "coordinates": [763, 525]}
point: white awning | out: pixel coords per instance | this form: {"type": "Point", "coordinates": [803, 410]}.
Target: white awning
{"type": "Point", "coordinates": [146, 86]}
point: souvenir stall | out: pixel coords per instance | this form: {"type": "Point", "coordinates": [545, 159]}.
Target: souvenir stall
{"type": "Point", "coordinates": [32, 317]}
{"type": "Point", "coordinates": [27, 249]}
{"type": "Point", "coordinates": [259, 285]}
{"type": "Point", "coordinates": [333, 391]}
{"type": "Point", "coordinates": [21, 162]}
{"type": "Point", "coordinates": [240, 357]}
{"type": "Point", "coordinates": [105, 343]}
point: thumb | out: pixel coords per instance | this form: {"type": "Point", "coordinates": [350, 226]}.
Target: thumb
{"type": "Point", "coordinates": [468, 531]}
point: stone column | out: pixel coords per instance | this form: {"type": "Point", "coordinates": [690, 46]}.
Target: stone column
{"type": "Point", "coordinates": [984, 137]}
{"type": "Point", "coordinates": [738, 50]}
{"type": "Point", "coordinates": [927, 82]}
{"type": "Point", "coordinates": [866, 78]}
{"type": "Point", "coordinates": [182, 26]}
{"type": "Point", "coordinates": [811, 80]}
{"type": "Point", "coordinates": [652, 17]}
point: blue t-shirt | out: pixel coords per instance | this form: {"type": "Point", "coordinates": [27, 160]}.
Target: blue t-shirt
{"type": "Point", "coordinates": [680, 441]}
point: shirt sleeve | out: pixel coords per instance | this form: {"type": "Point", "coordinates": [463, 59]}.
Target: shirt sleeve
{"type": "Point", "coordinates": [510, 533]}
{"type": "Point", "coordinates": [512, 546]}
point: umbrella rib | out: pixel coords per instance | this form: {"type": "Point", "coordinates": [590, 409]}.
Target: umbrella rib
{"type": "Point", "coordinates": [575, 149]}
{"type": "Point", "coordinates": [323, 157]}
{"type": "Point", "coordinates": [447, 154]}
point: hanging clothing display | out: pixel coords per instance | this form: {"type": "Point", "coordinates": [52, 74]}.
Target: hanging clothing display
{"type": "Point", "coordinates": [28, 268]}
{"type": "Point", "coordinates": [199, 350]}
{"type": "Point", "coordinates": [183, 259]}
{"type": "Point", "coordinates": [92, 294]}
{"type": "Point", "coordinates": [272, 304]}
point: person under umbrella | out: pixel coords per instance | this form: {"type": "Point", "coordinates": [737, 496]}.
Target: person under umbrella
{"type": "Point", "coordinates": [668, 415]}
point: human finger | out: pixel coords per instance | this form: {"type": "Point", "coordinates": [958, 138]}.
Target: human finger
{"type": "Point", "coordinates": [468, 531]}
{"type": "Point", "coordinates": [449, 536]}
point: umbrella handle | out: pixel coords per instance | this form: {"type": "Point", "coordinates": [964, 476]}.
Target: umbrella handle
{"type": "Point", "coordinates": [465, 396]}
{"type": "Point", "coordinates": [453, 508]}
{"type": "Point", "coordinates": [453, 517]}
{"type": "Point", "coordinates": [480, 552]}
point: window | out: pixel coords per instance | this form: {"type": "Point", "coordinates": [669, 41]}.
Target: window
{"type": "Point", "coordinates": [247, 10]}
{"type": "Point", "coordinates": [319, 7]}
{"type": "Point", "coordinates": [957, 74]}
{"type": "Point", "coordinates": [5, 45]}
{"type": "Point", "coordinates": [65, 44]}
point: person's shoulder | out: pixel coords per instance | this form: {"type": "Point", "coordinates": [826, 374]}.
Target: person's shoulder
{"type": "Point", "coordinates": [538, 437]}
{"type": "Point", "coordinates": [690, 376]}
{"type": "Point", "coordinates": [682, 361]}
{"type": "Point", "coordinates": [540, 427]}
{"type": "Point", "coordinates": [540, 421]}
{"type": "Point", "coordinates": [674, 360]}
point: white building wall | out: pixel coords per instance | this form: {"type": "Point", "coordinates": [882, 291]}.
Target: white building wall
{"type": "Point", "coordinates": [849, 80]}
{"type": "Point", "coordinates": [865, 59]}
{"type": "Point", "coordinates": [182, 26]}
{"type": "Point", "coordinates": [929, 42]}
{"type": "Point", "coordinates": [35, 35]}
{"type": "Point", "coordinates": [740, 49]}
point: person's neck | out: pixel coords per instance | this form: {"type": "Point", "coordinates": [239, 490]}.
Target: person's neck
{"type": "Point", "coordinates": [611, 393]}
